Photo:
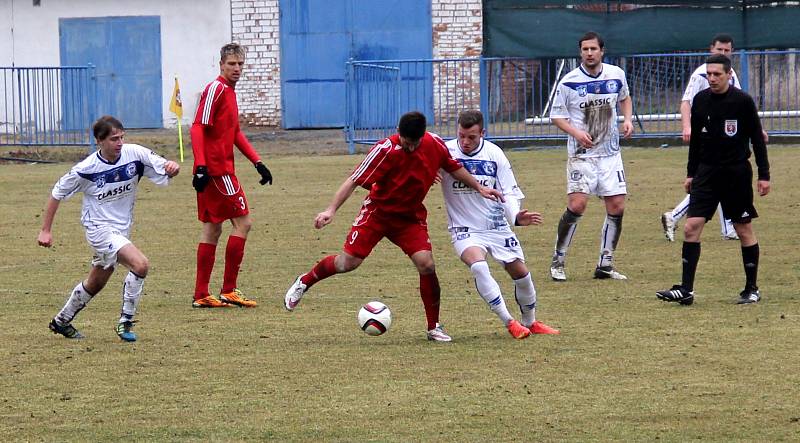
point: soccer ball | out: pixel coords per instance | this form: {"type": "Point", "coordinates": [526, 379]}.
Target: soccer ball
{"type": "Point", "coordinates": [374, 318]}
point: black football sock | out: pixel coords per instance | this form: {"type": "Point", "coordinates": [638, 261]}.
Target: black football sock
{"type": "Point", "coordinates": [750, 260]}
{"type": "Point", "coordinates": [690, 256]}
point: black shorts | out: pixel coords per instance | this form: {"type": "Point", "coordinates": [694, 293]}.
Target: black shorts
{"type": "Point", "coordinates": [728, 185]}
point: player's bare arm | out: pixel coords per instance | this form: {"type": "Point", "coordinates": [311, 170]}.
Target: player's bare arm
{"type": "Point", "coordinates": [582, 137]}
{"type": "Point", "coordinates": [45, 238]}
{"type": "Point", "coordinates": [526, 218]}
{"type": "Point", "coordinates": [626, 106]}
{"type": "Point", "coordinates": [172, 169]}
{"type": "Point", "coordinates": [468, 179]}
{"type": "Point", "coordinates": [342, 194]}
{"type": "Point", "coordinates": [686, 120]}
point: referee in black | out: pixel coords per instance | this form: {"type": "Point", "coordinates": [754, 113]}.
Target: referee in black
{"type": "Point", "coordinates": [724, 122]}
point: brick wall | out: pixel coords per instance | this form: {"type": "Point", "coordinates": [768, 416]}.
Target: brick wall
{"type": "Point", "coordinates": [457, 28]}
{"type": "Point", "coordinates": [255, 25]}
{"type": "Point", "coordinates": [457, 32]}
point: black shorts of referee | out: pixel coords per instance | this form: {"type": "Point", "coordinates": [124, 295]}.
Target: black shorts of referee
{"type": "Point", "coordinates": [730, 185]}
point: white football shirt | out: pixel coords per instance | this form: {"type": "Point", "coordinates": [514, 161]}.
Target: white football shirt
{"type": "Point", "coordinates": [699, 81]}
{"type": "Point", "coordinates": [590, 104]}
{"type": "Point", "coordinates": [109, 189]}
{"type": "Point", "coordinates": [466, 208]}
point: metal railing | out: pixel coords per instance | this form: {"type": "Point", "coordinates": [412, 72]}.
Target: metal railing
{"type": "Point", "coordinates": [47, 106]}
{"type": "Point", "coordinates": [515, 94]}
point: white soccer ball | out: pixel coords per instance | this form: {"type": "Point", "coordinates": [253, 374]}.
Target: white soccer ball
{"type": "Point", "coordinates": [374, 318]}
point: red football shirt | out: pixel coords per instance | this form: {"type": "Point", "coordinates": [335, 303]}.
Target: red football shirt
{"type": "Point", "coordinates": [216, 130]}
{"type": "Point", "coordinates": [398, 181]}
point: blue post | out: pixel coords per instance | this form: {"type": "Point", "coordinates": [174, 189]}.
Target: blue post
{"type": "Point", "coordinates": [92, 93]}
{"type": "Point", "coordinates": [483, 74]}
{"type": "Point", "coordinates": [349, 127]}
{"type": "Point", "coordinates": [744, 74]}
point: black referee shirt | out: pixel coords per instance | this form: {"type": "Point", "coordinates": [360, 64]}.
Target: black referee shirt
{"type": "Point", "coordinates": [723, 125]}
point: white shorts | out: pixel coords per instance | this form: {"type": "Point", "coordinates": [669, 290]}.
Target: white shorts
{"type": "Point", "coordinates": [601, 176]}
{"type": "Point", "coordinates": [503, 246]}
{"type": "Point", "coordinates": [106, 242]}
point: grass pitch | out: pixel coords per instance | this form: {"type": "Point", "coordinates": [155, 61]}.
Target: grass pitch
{"type": "Point", "coordinates": [626, 366]}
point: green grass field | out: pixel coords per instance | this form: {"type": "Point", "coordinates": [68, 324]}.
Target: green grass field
{"type": "Point", "coordinates": [626, 366]}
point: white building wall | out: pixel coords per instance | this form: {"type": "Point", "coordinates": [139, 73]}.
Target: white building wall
{"type": "Point", "coordinates": [191, 34]}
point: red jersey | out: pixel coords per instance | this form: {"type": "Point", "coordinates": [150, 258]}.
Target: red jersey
{"type": "Point", "coordinates": [216, 130]}
{"type": "Point", "coordinates": [398, 181]}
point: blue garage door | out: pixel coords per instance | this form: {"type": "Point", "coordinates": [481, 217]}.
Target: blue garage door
{"type": "Point", "coordinates": [318, 37]}
{"type": "Point", "coordinates": [127, 54]}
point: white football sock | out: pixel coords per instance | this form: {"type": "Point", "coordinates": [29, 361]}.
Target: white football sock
{"type": "Point", "coordinates": [489, 290]}
{"type": "Point", "coordinates": [609, 237]}
{"type": "Point", "coordinates": [681, 209]}
{"type": "Point", "coordinates": [131, 293]}
{"type": "Point", "coordinates": [78, 300]}
{"type": "Point", "coordinates": [525, 293]}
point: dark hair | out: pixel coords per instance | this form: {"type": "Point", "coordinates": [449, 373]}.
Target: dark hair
{"type": "Point", "coordinates": [720, 59]}
{"type": "Point", "coordinates": [231, 49]}
{"type": "Point", "coordinates": [468, 119]}
{"type": "Point", "coordinates": [591, 35]}
{"type": "Point", "coordinates": [722, 38]}
{"type": "Point", "coordinates": [103, 126]}
{"type": "Point", "coordinates": [412, 125]}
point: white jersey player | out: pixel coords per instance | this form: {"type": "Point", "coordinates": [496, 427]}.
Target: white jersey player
{"type": "Point", "coordinates": [721, 44]}
{"type": "Point", "coordinates": [108, 180]}
{"type": "Point", "coordinates": [589, 102]}
{"type": "Point", "coordinates": [480, 226]}
{"type": "Point", "coordinates": [585, 107]}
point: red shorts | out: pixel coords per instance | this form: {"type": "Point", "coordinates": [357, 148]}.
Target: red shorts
{"type": "Point", "coordinates": [410, 234]}
{"type": "Point", "coordinates": [222, 199]}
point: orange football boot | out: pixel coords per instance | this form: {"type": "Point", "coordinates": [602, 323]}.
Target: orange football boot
{"type": "Point", "coordinates": [236, 297]}
{"type": "Point", "coordinates": [518, 331]}
{"type": "Point", "coordinates": [540, 328]}
{"type": "Point", "coordinates": [210, 302]}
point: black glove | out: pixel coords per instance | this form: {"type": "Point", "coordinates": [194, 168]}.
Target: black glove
{"type": "Point", "coordinates": [200, 178]}
{"type": "Point", "coordinates": [266, 176]}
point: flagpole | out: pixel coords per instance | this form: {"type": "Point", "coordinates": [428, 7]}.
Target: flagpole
{"type": "Point", "coordinates": [180, 138]}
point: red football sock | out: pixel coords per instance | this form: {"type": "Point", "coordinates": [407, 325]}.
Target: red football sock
{"type": "Point", "coordinates": [205, 264]}
{"type": "Point", "coordinates": [431, 293]}
{"type": "Point", "coordinates": [322, 270]}
{"type": "Point", "coordinates": [234, 252]}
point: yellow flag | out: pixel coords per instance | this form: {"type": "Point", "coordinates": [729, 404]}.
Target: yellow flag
{"type": "Point", "coordinates": [176, 106]}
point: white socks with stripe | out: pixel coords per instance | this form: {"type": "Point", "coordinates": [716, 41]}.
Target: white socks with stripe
{"type": "Point", "coordinates": [525, 293]}
{"type": "Point", "coordinates": [131, 293]}
{"type": "Point", "coordinates": [489, 290]}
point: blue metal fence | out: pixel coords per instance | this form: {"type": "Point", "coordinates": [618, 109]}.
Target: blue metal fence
{"type": "Point", "coordinates": [47, 106]}
{"type": "Point", "coordinates": [515, 94]}
{"type": "Point", "coordinates": [373, 99]}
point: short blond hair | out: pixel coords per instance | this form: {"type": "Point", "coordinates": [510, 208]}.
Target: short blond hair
{"type": "Point", "coordinates": [231, 49]}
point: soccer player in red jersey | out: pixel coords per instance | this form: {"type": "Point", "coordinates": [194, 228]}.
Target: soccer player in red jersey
{"type": "Point", "coordinates": [220, 197]}
{"type": "Point", "coordinates": [398, 172]}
